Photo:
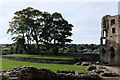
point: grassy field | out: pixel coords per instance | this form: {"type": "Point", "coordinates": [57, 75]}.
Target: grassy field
{"type": "Point", "coordinates": [9, 64]}
{"type": "Point", "coordinates": [0, 63]}
{"type": "Point", "coordinates": [43, 56]}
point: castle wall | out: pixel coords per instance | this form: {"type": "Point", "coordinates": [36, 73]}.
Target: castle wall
{"type": "Point", "coordinates": [110, 34]}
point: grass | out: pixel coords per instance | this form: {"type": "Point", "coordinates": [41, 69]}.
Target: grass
{"type": "Point", "coordinates": [10, 64]}
{"type": "Point", "coordinates": [0, 63]}
{"type": "Point", "coordinates": [43, 56]}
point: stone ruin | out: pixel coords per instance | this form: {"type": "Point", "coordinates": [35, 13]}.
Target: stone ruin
{"type": "Point", "coordinates": [110, 40]}
{"type": "Point", "coordinates": [95, 72]}
{"type": "Point", "coordinates": [32, 73]}
{"type": "Point", "coordinates": [102, 71]}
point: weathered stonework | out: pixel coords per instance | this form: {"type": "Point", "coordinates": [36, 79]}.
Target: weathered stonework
{"type": "Point", "coordinates": [110, 40]}
{"type": "Point", "coordinates": [32, 73]}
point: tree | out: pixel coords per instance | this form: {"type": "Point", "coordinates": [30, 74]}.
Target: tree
{"type": "Point", "coordinates": [40, 27]}
{"type": "Point", "coordinates": [20, 46]}
{"type": "Point", "coordinates": [64, 32]}
{"type": "Point", "coordinates": [46, 31]}
{"type": "Point", "coordinates": [60, 30]}
{"type": "Point", "coordinates": [27, 23]}
{"type": "Point", "coordinates": [56, 30]}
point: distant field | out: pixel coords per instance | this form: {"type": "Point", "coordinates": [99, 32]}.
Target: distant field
{"type": "Point", "coordinates": [43, 56]}
{"type": "Point", "coordinates": [9, 64]}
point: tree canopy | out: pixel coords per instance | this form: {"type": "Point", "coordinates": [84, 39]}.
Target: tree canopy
{"type": "Point", "coordinates": [41, 28]}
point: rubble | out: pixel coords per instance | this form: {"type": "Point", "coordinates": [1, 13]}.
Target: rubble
{"type": "Point", "coordinates": [32, 73]}
{"type": "Point", "coordinates": [90, 68]}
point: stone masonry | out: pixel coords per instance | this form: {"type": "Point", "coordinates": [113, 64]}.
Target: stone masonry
{"type": "Point", "coordinates": [110, 40]}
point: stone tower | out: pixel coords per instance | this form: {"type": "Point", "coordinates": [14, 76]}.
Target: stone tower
{"type": "Point", "coordinates": [110, 40]}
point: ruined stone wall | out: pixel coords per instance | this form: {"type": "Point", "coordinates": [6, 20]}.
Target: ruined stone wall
{"type": "Point", "coordinates": [110, 40]}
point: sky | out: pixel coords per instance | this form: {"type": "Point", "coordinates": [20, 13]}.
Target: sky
{"type": "Point", "coordinates": [84, 15]}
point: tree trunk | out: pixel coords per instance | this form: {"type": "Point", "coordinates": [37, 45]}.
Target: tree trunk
{"type": "Point", "coordinates": [36, 39]}
{"type": "Point", "coordinates": [38, 47]}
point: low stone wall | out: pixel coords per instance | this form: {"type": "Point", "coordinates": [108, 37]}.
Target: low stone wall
{"type": "Point", "coordinates": [32, 73]}
{"type": "Point", "coordinates": [41, 60]}
{"type": "Point", "coordinates": [92, 57]}
{"type": "Point", "coordinates": [111, 78]}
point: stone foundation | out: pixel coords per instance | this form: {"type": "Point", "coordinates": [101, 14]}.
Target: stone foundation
{"type": "Point", "coordinates": [31, 73]}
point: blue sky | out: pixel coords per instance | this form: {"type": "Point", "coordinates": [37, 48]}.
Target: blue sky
{"type": "Point", "coordinates": [84, 15]}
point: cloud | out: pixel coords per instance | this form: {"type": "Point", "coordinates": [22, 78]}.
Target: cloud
{"type": "Point", "coordinates": [21, 1]}
{"type": "Point", "coordinates": [85, 16]}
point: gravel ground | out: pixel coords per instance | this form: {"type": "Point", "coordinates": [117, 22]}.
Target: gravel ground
{"type": "Point", "coordinates": [111, 79]}
{"type": "Point", "coordinates": [114, 69]}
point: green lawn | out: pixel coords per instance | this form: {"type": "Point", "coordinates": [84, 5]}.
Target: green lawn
{"type": "Point", "coordinates": [43, 56]}
{"type": "Point", "coordinates": [9, 64]}
{"type": "Point", "coordinates": [0, 63]}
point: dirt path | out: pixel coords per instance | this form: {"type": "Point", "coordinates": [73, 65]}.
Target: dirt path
{"type": "Point", "coordinates": [114, 69]}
